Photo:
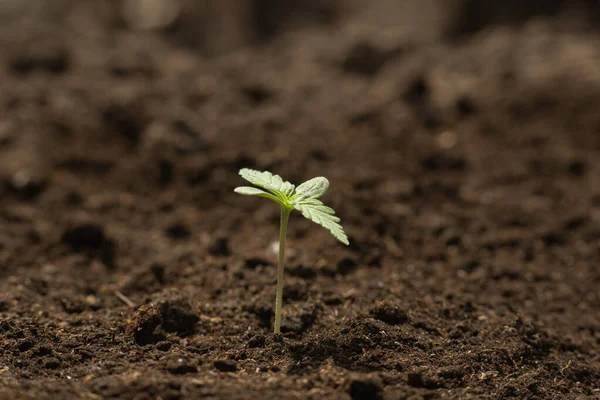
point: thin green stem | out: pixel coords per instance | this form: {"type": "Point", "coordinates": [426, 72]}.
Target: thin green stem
{"type": "Point", "coordinates": [285, 214]}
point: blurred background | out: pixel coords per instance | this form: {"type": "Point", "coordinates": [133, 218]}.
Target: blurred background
{"type": "Point", "coordinates": [121, 48]}
{"type": "Point", "coordinates": [478, 96]}
{"type": "Point", "coordinates": [409, 105]}
{"type": "Point", "coordinates": [216, 27]}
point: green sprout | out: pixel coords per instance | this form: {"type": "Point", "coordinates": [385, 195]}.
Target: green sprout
{"type": "Point", "coordinates": [303, 198]}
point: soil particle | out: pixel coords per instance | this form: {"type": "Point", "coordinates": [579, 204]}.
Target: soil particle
{"type": "Point", "coordinates": [90, 238]}
{"type": "Point", "coordinates": [133, 65]}
{"type": "Point", "coordinates": [72, 306]}
{"type": "Point", "coordinates": [177, 316]}
{"type": "Point", "coordinates": [256, 341]}
{"type": "Point", "coordinates": [124, 120]}
{"type": "Point", "coordinates": [364, 59]}
{"type": "Point", "coordinates": [178, 231]}
{"type": "Point", "coordinates": [85, 236]}
{"type": "Point", "coordinates": [169, 313]}
{"type": "Point", "coordinates": [465, 106]}
{"type": "Point", "coordinates": [26, 187]}
{"type": "Point", "coordinates": [300, 319]}
{"type": "Point", "coordinates": [389, 313]}
{"type": "Point", "coordinates": [364, 388]}
{"type": "Point", "coordinates": [302, 271]}
{"type": "Point", "coordinates": [52, 363]}
{"type": "Point", "coordinates": [346, 266]}
{"type": "Point", "coordinates": [220, 247]}
{"type": "Point", "coordinates": [422, 380]}
{"type": "Point", "coordinates": [25, 344]}
{"type": "Point", "coordinates": [256, 262]}
{"type": "Point", "coordinates": [225, 365]}
{"type": "Point", "coordinates": [179, 365]}
{"type": "Point", "coordinates": [158, 271]}
{"type": "Point", "coordinates": [163, 346]}
{"type": "Point", "coordinates": [41, 55]}
{"type": "Point", "coordinates": [256, 94]}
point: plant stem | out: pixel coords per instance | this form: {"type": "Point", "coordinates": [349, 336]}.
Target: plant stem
{"type": "Point", "coordinates": [285, 214]}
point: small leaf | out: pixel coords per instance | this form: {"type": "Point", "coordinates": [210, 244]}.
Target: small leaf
{"type": "Point", "coordinates": [312, 189]}
{"type": "Point", "coordinates": [319, 213]}
{"type": "Point", "coordinates": [251, 191]}
{"type": "Point", "coordinates": [287, 188]}
{"type": "Point", "coordinates": [303, 198]}
{"type": "Point", "coordinates": [266, 180]}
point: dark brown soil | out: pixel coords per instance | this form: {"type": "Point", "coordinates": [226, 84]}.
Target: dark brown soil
{"type": "Point", "coordinates": [464, 160]}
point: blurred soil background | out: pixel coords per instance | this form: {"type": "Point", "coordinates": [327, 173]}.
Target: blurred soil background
{"type": "Point", "coordinates": [462, 142]}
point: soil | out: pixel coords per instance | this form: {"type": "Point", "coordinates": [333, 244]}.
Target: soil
{"type": "Point", "coordinates": [464, 161]}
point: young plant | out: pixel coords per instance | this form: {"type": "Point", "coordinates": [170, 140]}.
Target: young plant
{"type": "Point", "coordinates": [303, 198]}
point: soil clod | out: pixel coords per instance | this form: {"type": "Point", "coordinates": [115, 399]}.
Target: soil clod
{"type": "Point", "coordinates": [225, 365]}
{"type": "Point", "coordinates": [169, 314]}
{"type": "Point", "coordinates": [364, 388]}
{"type": "Point", "coordinates": [389, 313]}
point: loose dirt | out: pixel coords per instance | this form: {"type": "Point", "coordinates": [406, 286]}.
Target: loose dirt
{"type": "Point", "coordinates": [465, 168]}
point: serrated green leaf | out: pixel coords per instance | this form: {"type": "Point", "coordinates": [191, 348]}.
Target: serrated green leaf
{"type": "Point", "coordinates": [319, 213]}
{"type": "Point", "coordinates": [249, 191]}
{"type": "Point", "coordinates": [303, 198]}
{"type": "Point", "coordinates": [266, 180]}
{"type": "Point", "coordinates": [252, 191]}
{"type": "Point", "coordinates": [312, 189]}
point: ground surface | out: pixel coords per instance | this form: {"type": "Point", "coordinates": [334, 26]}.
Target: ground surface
{"type": "Point", "coordinates": [465, 172]}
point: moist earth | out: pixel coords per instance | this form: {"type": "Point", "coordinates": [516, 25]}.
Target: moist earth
{"type": "Point", "coordinates": [463, 150]}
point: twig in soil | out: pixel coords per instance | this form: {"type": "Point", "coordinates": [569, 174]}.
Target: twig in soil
{"type": "Point", "coordinates": [124, 299]}
{"type": "Point", "coordinates": [562, 371]}
{"type": "Point", "coordinates": [303, 198]}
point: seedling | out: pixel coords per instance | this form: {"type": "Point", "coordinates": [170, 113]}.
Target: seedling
{"type": "Point", "coordinates": [303, 198]}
